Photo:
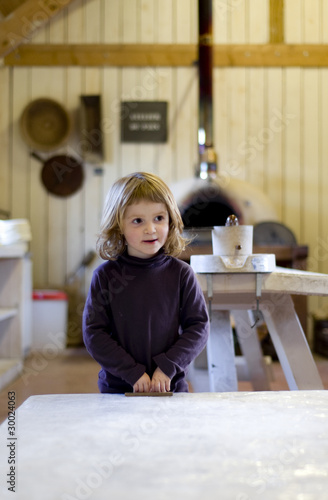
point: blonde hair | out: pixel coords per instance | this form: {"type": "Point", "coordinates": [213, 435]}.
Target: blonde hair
{"type": "Point", "coordinates": [132, 189]}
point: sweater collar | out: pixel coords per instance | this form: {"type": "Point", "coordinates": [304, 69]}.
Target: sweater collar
{"type": "Point", "coordinates": [155, 261]}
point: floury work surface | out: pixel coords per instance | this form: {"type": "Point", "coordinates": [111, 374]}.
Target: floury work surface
{"type": "Point", "coordinates": [236, 446]}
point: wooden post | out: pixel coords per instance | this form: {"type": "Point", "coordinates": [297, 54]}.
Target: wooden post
{"type": "Point", "coordinates": [277, 21]}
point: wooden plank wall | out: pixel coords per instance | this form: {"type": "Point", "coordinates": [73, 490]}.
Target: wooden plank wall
{"type": "Point", "coordinates": [270, 123]}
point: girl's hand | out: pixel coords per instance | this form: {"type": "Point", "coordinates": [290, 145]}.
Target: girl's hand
{"type": "Point", "coordinates": [160, 382]}
{"type": "Point", "coordinates": [143, 384]}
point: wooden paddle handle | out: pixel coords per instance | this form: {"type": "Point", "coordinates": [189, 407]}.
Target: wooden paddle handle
{"type": "Point", "coordinates": [152, 394]}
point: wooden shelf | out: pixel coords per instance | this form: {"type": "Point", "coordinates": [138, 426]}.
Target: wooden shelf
{"type": "Point", "coordinates": [13, 251]}
{"type": "Point", "coordinates": [6, 313]}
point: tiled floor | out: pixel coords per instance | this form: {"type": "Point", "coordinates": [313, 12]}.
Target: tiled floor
{"type": "Point", "coordinates": [75, 372]}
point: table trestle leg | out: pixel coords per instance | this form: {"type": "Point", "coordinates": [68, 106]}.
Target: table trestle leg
{"type": "Point", "coordinates": [250, 346]}
{"type": "Point", "coordinates": [221, 369]}
{"type": "Point", "coordinates": [290, 343]}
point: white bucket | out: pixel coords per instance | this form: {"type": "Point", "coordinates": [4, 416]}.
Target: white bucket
{"type": "Point", "coordinates": [49, 320]}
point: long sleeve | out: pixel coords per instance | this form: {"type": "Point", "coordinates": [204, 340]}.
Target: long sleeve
{"type": "Point", "coordinates": [194, 328]}
{"type": "Point", "coordinates": [98, 338]}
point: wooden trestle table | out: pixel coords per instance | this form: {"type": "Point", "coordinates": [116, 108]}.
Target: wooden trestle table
{"type": "Point", "coordinates": [240, 294]}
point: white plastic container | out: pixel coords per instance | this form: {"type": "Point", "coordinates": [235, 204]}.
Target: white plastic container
{"type": "Point", "coordinates": [232, 240]}
{"type": "Point", "coordinates": [49, 321]}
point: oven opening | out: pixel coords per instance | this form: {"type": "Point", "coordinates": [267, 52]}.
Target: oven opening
{"type": "Point", "coordinates": [207, 208]}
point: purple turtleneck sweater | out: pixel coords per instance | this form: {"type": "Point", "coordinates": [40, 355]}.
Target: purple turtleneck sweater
{"type": "Point", "coordinates": [141, 314]}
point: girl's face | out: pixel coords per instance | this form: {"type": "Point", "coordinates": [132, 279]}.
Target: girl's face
{"type": "Point", "coordinates": [145, 228]}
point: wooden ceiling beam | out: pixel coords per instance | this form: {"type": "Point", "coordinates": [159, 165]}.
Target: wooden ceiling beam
{"type": "Point", "coordinates": [272, 55]}
{"type": "Point", "coordinates": [103, 55]}
{"type": "Point", "coordinates": [21, 24]}
{"type": "Point", "coordinates": [8, 6]}
{"type": "Point", "coordinates": [244, 55]}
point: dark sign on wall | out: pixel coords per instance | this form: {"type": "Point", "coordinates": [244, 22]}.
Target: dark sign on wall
{"type": "Point", "coordinates": [144, 121]}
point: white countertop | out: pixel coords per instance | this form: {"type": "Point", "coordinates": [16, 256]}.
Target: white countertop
{"type": "Point", "coordinates": [233, 446]}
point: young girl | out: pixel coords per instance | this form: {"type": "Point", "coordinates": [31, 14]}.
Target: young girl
{"type": "Point", "coordinates": [145, 317]}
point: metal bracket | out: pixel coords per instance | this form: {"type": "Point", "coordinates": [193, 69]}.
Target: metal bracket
{"type": "Point", "coordinates": [209, 278]}
{"type": "Point", "coordinates": [258, 292]}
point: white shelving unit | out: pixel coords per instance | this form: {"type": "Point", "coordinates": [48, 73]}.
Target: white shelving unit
{"type": "Point", "coordinates": [6, 313]}
{"type": "Point", "coordinates": [15, 310]}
